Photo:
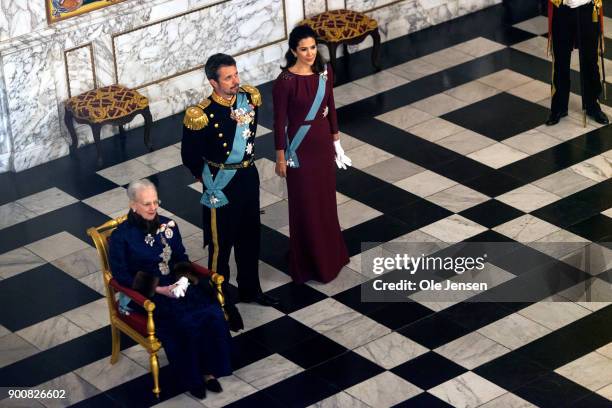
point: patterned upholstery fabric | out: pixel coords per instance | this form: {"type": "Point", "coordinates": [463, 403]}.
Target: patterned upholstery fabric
{"type": "Point", "coordinates": [340, 25]}
{"type": "Point", "coordinates": [109, 102]}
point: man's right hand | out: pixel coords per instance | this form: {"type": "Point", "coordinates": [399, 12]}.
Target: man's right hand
{"type": "Point", "coordinates": [281, 169]}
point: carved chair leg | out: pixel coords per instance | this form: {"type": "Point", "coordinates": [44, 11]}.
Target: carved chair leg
{"type": "Point", "coordinates": [116, 344]}
{"type": "Point", "coordinates": [70, 126]}
{"type": "Point", "coordinates": [332, 55]}
{"type": "Point", "coordinates": [155, 372]}
{"type": "Point", "coordinates": [95, 129]}
{"type": "Point", "coordinates": [376, 49]}
{"type": "Point", "coordinates": [148, 119]}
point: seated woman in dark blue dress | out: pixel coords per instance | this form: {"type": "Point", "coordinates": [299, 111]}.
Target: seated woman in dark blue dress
{"type": "Point", "coordinates": [188, 320]}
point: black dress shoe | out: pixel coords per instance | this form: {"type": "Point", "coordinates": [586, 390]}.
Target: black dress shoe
{"type": "Point", "coordinates": [213, 385]}
{"type": "Point", "coordinates": [598, 116]}
{"type": "Point", "coordinates": [198, 392]}
{"type": "Point", "coordinates": [262, 299]}
{"type": "Point", "coordinates": [555, 117]}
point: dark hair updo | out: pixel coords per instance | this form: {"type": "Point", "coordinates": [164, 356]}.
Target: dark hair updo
{"type": "Point", "coordinates": [298, 34]}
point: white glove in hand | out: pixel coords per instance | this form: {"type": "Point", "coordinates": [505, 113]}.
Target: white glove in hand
{"type": "Point", "coordinates": [342, 160]}
{"type": "Point", "coordinates": [181, 287]}
{"type": "Point", "coordinates": [575, 3]}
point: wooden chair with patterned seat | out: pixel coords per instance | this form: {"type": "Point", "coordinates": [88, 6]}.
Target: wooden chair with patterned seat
{"type": "Point", "coordinates": [110, 105]}
{"type": "Point", "coordinates": [139, 326]}
{"type": "Point", "coordinates": [346, 27]}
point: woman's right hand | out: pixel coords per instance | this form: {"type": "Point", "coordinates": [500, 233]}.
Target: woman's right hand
{"type": "Point", "coordinates": [281, 169]}
{"type": "Point", "coordinates": [166, 290]}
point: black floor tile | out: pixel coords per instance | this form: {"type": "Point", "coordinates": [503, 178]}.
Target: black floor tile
{"type": "Point", "coordinates": [300, 390]}
{"type": "Point", "coordinates": [346, 370]}
{"type": "Point", "coordinates": [517, 115]}
{"type": "Point", "coordinates": [99, 401]}
{"type": "Point", "coordinates": [259, 399]}
{"type": "Point", "coordinates": [531, 169]}
{"type": "Point", "coordinates": [571, 342]}
{"type": "Point", "coordinates": [246, 350]}
{"type": "Point", "coordinates": [397, 315]}
{"type": "Point", "coordinates": [594, 229]}
{"type": "Point", "coordinates": [74, 218]}
{"type": "Point", "coordinates": [599, 196]}
{"type": "Point", "coordinates": [563, 155]}
{"type": "Point", "coordinates": [552, 390]}
{"type": "Point", "coordinates": [419, 214]}
{"type": "Point", "coordinates": [511, 371]}
{"type": "Point", "coordinates": [593, 400]}
{"type": "Point", "coordinates": [494, 184]}
{"type": "Point", "coordinates": [380, 229]}
{"type": "Point", "coordinates": [462, 169]}
{"type": "Point", "coordinates": [314, 351]}
{"type": "Point", "coordinates": [428, 370]}
{"type": "Point", "coordinates": [276, 250]}
{"type": "Point", "coordinates": [61, 359]}
{"type": "Point", "coordinates": [597, 141]}
{"type": "Point", "coordinates": [423, 400]}
{"type": "Point", "coordinates": [282, 334]}
{"type": "Point", "coordinates": [474, 316]}
{"type": "Point", "coordinates": [39, 294]}
{"type": "Point", "coordinates": [352, 299]}
{"type": "Point", "coordinates": [433, 331]}
{"type": "Point", "coordinates": [566, 212]}
{"type": "Point", "coordinates": [293, 296]}
{"type": "Point", "coordinates": [491, 213]}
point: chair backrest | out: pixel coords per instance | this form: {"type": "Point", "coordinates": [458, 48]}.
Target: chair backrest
{"type": "Point", "coordinates": [100, 235]}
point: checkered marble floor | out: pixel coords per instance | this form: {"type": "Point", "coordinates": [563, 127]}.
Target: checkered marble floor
{"type": "Point", "coordinates": [448, 144]}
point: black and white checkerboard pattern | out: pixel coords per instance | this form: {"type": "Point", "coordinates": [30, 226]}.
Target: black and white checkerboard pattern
{"type": "Point", "coordinates": [448, 145]}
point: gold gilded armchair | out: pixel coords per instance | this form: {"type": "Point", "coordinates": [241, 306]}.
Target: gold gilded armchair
{"type": "Point", "coordinates": [139, 326]}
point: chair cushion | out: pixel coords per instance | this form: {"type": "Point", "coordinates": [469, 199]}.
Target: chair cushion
{"type": "Point", "coordinates": [340, 25]}
{"type": "Point", "coordinates": [136, 320]}
{"type": "Point", "coordinates": [107, 103]}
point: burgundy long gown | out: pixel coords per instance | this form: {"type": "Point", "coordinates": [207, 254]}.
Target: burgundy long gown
{"type": "Point", "coordinates": [317, 248]}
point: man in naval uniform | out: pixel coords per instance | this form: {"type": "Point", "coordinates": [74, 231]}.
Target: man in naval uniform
{"type": "Point", "coordinates": [575, 23]}
{"type": "Point", "coordinates": [218, 149]}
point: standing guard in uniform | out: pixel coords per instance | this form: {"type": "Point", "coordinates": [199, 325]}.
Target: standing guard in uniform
{"type": "Point", "coordinates": [575, 24]}
{"type": "Point", "coordinates": [218, 149]}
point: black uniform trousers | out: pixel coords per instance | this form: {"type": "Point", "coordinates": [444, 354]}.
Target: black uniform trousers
{"type": "Point", "coordinates": [575, 27]}
{"type": "Point", "coordinates": [237, 225]}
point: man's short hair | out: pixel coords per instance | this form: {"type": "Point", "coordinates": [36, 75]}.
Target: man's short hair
{"type": "Point", "coordinates": [215, 62]}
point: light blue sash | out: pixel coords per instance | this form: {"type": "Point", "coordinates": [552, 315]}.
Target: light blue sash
{"type": "Point", "coordinates": [291, 153]}
{"type": "Point", "coordinates": [213, 196]}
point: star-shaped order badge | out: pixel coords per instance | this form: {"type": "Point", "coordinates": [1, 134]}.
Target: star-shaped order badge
{"type": "Point", "coordinates": [246, 133]}
{"type": "Point", "coordinates": [325, 111]}
{"type": "Point", "coordinates": [249, 148]}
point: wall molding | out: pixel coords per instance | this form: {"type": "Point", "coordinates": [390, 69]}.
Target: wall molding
{"type": "Point", "coordinates": [91, 62]}
{"type": "Point", "coordinates": [199, 66]}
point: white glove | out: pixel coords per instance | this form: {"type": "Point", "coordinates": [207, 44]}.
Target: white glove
{"type": "Point", "coordinates": [181, 287]}
{"type": "Point", "coordinates": [575, 3]}
{"type": "Point", "coordinates": [342, 160]}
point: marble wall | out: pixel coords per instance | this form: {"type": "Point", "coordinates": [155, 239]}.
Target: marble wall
{"type": "Point", "coordinates": [159, 47]}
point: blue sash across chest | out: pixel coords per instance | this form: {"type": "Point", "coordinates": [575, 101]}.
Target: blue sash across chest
{"type": "Point", "coordinates": [291, 153]}
{"type": "Point", "coordinates": [213, 196]}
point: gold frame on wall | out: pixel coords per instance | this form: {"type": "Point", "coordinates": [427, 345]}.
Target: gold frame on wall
{"type": "Point", "coordinates": [53, 15]}
{"type": "Point", "coordinates": [195, 68]}
{"type": "Point", "coordinates": [91, 61]}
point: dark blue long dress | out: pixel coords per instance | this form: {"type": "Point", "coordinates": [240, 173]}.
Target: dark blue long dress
{"type": "Point", "coordinates": [192, 329]}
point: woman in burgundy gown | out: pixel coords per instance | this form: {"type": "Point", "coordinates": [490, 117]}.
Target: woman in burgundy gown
{"type": "Point", "coordinates": [317, 248]}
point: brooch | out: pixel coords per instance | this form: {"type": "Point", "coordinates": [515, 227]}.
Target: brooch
{"type": "Point", "coordinates": [243, 116]}
{"type": "Point", "coordinates": [324, 75]}
{"type": "Point", "coordinates": [325, 111]}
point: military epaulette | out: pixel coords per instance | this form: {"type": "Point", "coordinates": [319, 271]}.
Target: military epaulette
{"type": "Point", "coordinates": [195, 117]}
{"type": "Point", "coordinates": [254, 92]}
